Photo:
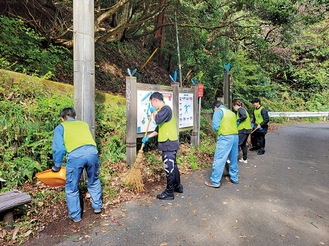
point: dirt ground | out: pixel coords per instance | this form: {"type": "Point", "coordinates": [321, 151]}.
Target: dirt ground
{"type": "Point", "coordinates": [55, 231]}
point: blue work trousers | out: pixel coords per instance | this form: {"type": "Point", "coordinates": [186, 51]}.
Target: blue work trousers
{"type": "Point", "coordinates": [83, 157]}
{"type": "Point", "coordinates": [227, 147]}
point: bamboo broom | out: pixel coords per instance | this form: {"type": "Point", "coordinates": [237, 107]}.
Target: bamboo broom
{"type": "Point", "coordinates": [134, 176]}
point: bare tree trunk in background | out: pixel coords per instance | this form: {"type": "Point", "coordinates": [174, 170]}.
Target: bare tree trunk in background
{"type": "Point", "coordinates": [160, 34]}
{"type": "Point", "coordinates": [43, 15]}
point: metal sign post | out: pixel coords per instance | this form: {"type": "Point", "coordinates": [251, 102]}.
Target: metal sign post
{"type": "Point", "coordinates": [200, 95]}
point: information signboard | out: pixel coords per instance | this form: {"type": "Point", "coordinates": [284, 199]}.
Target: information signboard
{"type": "Point", "coordinates": [185, 110]}
{"type": "Point", "coordinates": [143, 108]}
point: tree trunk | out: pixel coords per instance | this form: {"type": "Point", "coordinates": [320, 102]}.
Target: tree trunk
{"type": "Point", "coordinates": [160, 34]}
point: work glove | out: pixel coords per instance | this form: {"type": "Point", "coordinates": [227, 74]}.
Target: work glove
{"type": "Point", "coordinates": [55, 169]}
{"type": "Point", "coordinates": [237, 123]}
{"type": "Point", "coordinates": [152, 109]}
{"type": "Point", "coordinates": [145, 139]}
{"type": "Point", "coordinates": [261, 129]}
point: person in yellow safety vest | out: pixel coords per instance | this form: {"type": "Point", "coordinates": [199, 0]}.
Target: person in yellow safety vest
{"type": "Point", "coordinates": [260, 126]}
{"type": "Point", "coordinates": [244, 127]}
{"type": "Point", "coordinates": [73, 138]}
{"type": "Point", "coordinates": [224, 123]}
{"type": "Point", "coordinates": [167, 133]}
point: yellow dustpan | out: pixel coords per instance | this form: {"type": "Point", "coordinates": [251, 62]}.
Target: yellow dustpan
{"type": "Point", "coordinates": [51, 178]}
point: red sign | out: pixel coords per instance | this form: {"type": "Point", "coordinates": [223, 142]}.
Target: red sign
{"type": "Point", "coordinates": [200, 90]}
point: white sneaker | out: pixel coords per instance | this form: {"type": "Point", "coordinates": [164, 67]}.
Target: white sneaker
{"type": "Point", "coordinates": [228, 161]}
{"type": "Point", "coordinates": [244, 161]}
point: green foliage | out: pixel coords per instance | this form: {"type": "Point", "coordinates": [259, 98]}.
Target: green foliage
{"type": "Point", "coordinates": [274, 47]}
{"type": "Point", "coordinates": [278, 120]}
{"type": "Point", "coordinates": [28, 115]}
{"type": "Point", "coordinates": [22, 50]}
{"type": "Point", "coordinates": [207, 135]}
{"type": "Point", "coordinates": [318, 102]}
{"type": "Point", "coordinates": [18, 170]}
{"type": "Point", "coordinates": [279, 12]}
{"type": "Point", "coordinates": [113, 149]}
{"type": "Point", "coordinates": [193, 160]}
{"type": "Point", "coordinates": [111, 131]}
{"type": "Point", "coordinates": [250, 79]}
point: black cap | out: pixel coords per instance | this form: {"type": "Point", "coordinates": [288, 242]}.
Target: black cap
{"type": "Point", "coordinates": [255, 100]}
{"type": "Point", "coordinates": [70, 112]}
{"type": "Point", "coordinates": [216, 104]}
{"type": "Point", "coordinates": [156, 95]}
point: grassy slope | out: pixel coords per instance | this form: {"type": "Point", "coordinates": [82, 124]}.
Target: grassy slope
{"type": "Point", "coordinates": [101, 97]}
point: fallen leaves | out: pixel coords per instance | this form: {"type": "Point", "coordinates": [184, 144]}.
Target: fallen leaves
{"type": "Point", "coordinates": [26, 234]}
{"type": "Point", "coordinates": [15, 234]}
{"type": "Point", "coordinates": [3, 233]}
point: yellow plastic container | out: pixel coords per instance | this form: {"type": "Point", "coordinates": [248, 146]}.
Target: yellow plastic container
{"type": "Point", "coordinates": [51, 178]}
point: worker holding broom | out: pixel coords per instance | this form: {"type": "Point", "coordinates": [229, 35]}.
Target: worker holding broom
{"type": "Point", "coordinates": [260, 126]}
{"type": "Point", "coordinates": [167, 142]}
{"type": "Point", "coordinates": [74, 138]}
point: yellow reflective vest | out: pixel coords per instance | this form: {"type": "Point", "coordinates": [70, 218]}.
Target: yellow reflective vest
{"type": "Point", "coordinates": [258, 115]}
{"type": "Point", "coordinates": [246, 123]}
{"type": "Point", "coordinates": [168, 130]}
{"type": "Point", "coordinates": [76, 134]}
{"type": "Point", "coordinates": [228, 123]}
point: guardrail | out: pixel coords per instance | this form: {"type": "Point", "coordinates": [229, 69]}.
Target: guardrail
{"type": "Point", "coordinates": [299, 114]}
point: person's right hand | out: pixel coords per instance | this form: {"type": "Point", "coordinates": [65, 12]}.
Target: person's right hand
{"type": "Point", "coordinates": [152, 109]}
{"type": "Point", "coordinates": [145, 139]}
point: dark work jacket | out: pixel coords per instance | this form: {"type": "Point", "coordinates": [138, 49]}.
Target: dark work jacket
{"type": "Point", "coordinates": [266, 119]}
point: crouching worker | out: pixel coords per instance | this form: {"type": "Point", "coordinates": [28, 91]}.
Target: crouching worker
{"type": "Point", "coordinates": [73, 137]}
{"type": "Point", "coordinates": [167, 142]}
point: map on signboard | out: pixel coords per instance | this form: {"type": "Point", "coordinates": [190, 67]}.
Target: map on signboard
{"type": "Point", "coordinates": [185, 110]}
{"type": "Point", "coordinates": [143, 108]}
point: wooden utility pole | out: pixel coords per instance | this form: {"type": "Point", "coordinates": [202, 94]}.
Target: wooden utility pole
{"type": "Point", "coordinates": [84, 61]}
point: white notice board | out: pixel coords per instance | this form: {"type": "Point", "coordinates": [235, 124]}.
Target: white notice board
{"type": "Point", "coordinates": [185, 110]}
{"type": "Point", "coordinates": [143, 108]}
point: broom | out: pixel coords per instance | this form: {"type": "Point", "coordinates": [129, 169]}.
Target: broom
{"type": "Point", "coordinates": [134, 177]}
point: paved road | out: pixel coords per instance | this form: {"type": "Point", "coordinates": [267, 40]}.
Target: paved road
{"type": "Point", "coordinates": [282, 199]}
